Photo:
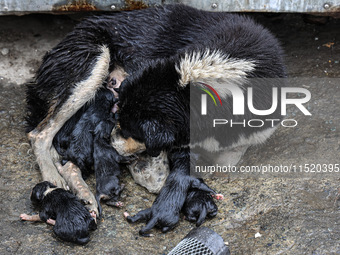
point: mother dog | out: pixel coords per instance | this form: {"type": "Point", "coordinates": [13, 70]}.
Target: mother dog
{"type": "Point", "coordinates": [160, 52]}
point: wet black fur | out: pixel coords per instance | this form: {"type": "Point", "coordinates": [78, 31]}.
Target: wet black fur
{"type": "Point", "coordinates": [72, 220]}
{"type": "Point", "coordinates": [197, 211]}
{"type": "Point", "coordinates": [153, 108]}
{"type": "Point", "coordinates": [106, 164]}
{"type": "Point", "coordinates": [74, 141]}
{"type": "Point", "coordinates": [85, 141]}
{"type": "Point", "coordinates": [162, 119]}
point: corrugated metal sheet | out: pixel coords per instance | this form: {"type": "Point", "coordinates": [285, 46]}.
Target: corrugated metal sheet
{"type": "Point", "coordinates": [29, 6]}
{"type": "Point", "coordinates": [304, 6]}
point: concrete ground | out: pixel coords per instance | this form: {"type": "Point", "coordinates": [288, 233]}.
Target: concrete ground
{"type": "Point", "coordinates": [295, 214]}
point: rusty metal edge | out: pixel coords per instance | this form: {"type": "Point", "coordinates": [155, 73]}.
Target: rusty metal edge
{"type": "Point", "coordinates": [21, 7]}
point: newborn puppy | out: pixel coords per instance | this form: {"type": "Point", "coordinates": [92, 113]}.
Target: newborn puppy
{"type": "Point", "coordinates": [74, 141]}
{"type": "Point", "coordinates": [85, 141]}
{"type": "Point", "coordinates": [198, 206]}
{"type": "Point", "coordinates": [106, 164]}
{"type": "Point", "coordinates": [72, 221]}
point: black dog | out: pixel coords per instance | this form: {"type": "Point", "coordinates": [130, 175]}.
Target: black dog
{"type": "Point", "coordinates": [233, 50]}
{"type": "Point", "coordinates": [165, 51]}
{"type": "Point", "coordinates": [72, 221]}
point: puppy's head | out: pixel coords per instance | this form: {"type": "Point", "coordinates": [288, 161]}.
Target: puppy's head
{"type": "Point", "coordinates": [153, 109]}
{"type": "Point", "coordinates": [38, 192]}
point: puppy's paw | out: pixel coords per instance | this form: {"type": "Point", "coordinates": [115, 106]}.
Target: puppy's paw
{"type": "Point", "coordinates": [26, 217]}
{"type": "Point", "coordinates": [198, 206]}
{"type": "Point", "coordinates": [164, 213]}
{"type": "Point", "coordinates": [109, 189]}
{"type": "Point", "coordinates": [114, 203]}
{"type": "Point", "coordinates": [164, 218]}
{"type": "Point", "coordinates": [51, 222]}
{"type": "Point", "coordinates": [218, 196]}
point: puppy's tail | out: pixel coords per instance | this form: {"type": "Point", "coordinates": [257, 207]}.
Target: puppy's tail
{"type": "Point", "coordinates": [83, 240]}
{"type": "Point", "coordinates": [74, 237]}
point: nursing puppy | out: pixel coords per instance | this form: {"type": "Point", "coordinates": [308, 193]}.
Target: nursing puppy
{"type": "Point", "coordinates": [164, 51]}
{"type": "Point", "coordinates": [74, 141]}
{"type": "Point", "coordinates": [70, 219]}
{"type": "Point", "coordinates": [85, 141]}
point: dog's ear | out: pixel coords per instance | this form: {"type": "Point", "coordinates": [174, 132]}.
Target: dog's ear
{"type": "Point", "coordinates": [157, 137]}
{"type": "Point", "coordinates": [37, 194]}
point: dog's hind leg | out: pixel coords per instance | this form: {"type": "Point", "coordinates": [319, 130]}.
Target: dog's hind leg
{"type": "Point", "coordinates": [72, 175]}
{"type": "Point", "coordinates": [42, 136]}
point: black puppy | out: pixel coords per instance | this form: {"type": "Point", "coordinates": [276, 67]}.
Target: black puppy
{"type": "Point", "coordinates": [106, 165]}
{"type": "Point", "coordinates": [196, 210]}
{"type": "Point", "coordinates": [72, 221]}
{"type": "Point", "coordinates": [74, 141]}
{"type": "Point", "coordinates": [85, 141]}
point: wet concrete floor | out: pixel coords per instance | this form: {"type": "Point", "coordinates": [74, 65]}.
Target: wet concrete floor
{"type": "Point", "coordinates": [293, 214]}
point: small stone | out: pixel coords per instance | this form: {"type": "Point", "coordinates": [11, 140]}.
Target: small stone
{"type": "Point", "coordinates": [4, 51]}
{"type": "Point", "coordinates": [309, 140]}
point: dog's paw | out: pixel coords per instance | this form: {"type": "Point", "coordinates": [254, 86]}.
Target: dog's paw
{"type": "Point", "coordinates": [198, 206]}
{"type": "Point", "coordinates": [56, 179]}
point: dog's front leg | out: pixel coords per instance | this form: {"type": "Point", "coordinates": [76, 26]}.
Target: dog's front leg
{"type": "Point", "coordinates": [125, 147]}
